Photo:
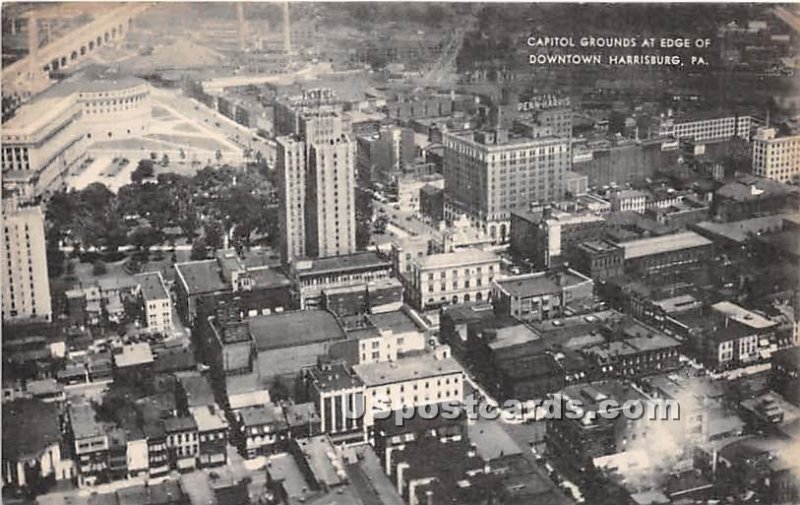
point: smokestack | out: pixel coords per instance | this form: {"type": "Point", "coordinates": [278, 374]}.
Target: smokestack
{"type": "Point", "coordinates": [287, 29]}
{"type": "Point", "coordinates": [33, 41]}
{"type": "Point", "coordinates": [242, 26]}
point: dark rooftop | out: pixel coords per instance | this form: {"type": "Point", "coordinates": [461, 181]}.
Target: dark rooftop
{"type": "Point", "coordinates": [200, 276]}
{"type": "Point", "coordinates": [261, 414]}
{"type": "Point", "coordinates": [268, 277]}
{"type": "Point", "coordinates": [178, 424]}
{"type": "Point", "coordinates": [332, 377]}
{"type": "Point", "coordinates": [152, 285]}
{"type": "Point", "coordinates": [301, 414]}
{"type": "Point", "coordinates": [529, 285]}
{"type": "Point", "coordinates": [198, 390]}
{"type": "Point", "coordinates": [291, 329]}
{"type": "Point", "coordinates": [29, 426]}
{"type": "Point", "coordinates": [356, 261]}
{"type": "Point", "coordinates": [174, 360]}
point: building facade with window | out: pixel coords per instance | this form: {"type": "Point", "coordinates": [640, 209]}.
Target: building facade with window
{"type": "Point", "coordinates": [316, 165]}
{"type": "Point", "coordinates": [26, 287]}
{"type": "Point", "coordinates": [489, 173]}
{"type": "Point", "coordinates": [410, 382]}
{"type": "Point", "coordinates": [457, 277]}
{"type": "Point", "coordinates": [157, 302]}
{"type": "Point", "coordinates": [776, 157]}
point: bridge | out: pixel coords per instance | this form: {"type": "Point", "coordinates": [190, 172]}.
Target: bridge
{"type": "Point", "coordinates": [31, 74]}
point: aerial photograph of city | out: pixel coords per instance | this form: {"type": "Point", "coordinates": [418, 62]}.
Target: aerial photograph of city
{"type": "Point", "coordinates": [400, 253]}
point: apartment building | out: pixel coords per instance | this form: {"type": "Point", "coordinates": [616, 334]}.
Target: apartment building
{"type": "Point", "coordinates": [316, 160]}
{"type": "Point", "coordinates": [26, 287]}
{"type": "Point", "coordinates": [330, 198]}
{"type": "Point", "coordinates": [157, 302]}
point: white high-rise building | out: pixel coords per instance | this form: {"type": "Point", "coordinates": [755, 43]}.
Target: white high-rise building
{"type": "Point", "coordinates": [330, 190]}
{"type": "Point", "coordinates": [26, 287]}
{"type": "Point", "coordinates": [776, 158]}
{"type": "Point", "coordinates": [316, 161]}
{"type": "Point", "coordinates": [291, 167]}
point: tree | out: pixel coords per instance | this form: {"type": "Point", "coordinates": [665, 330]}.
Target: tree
{"type": "Point", "coordinates": [279, 390]}
{"type": "Point", "coordinates": [616, 122]}
{"type": "Point", "coordinates": [143, 170]}
{"type": "Point", "coordinates": [214, 234]}
{"type": "Point", "coordinates": [189, 224]}
{"type": "Point", "coordinates": [199, 249]}
{"type": "Point", "coordinates": [164, 160]}
{"type": "Point", "coordinates": [55, 259]}
{"type": "Point", "coordinates": [145, 237]}
{"type": "Point", "coordinates": [99, 268]}
{"type": "Point", "coordinates": [380, 224]}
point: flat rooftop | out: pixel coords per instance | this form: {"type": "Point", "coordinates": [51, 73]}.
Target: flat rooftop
{"type": "Point", "coordinates": [511, 336]}
{"type": "Point", "coordinates": [491, 440]}
{"type": "Point", "coordinates": [208, 418]}
{"type": "Point", "coordinates": [356, 261]}
{"type": "Point", "coordinates": [738, 231]}
{"type": "Point", "coordinates": [652, 342]}
{"type": "Point", "coordinates": [323, 459]}
{"type": "Point", "coordinates": [200, 277]}
{"type": "Point", "coordinates": [29, 426]}
{"type": "Point", "coordinates": [134, 354]}
{"type": "Point", "coordinates": [284, 469]}
{"type": "Point", "coordinates": [678, 303]}
{"type": "Point", "coordinates": [536, 284]}
{"type": "Point", "coordinates": [34, 116]}
{"type": "Point", "coordinates": [261, 414]}
{"type": "Point", "coordinates": [743, 316]}
{"type": "Point", "coordinates": [458, 259]}
{"type": "Point", "coordinates": [268, 277]}
{"type": "Point", "coordinates": [152, 285]}
{"type": "Point", "coordinates": [406, 369]}
{"type": "Point", "coordinates": [598, 246]}
{"type": "Point", "coordinates": [630, 193]}
{"type": "Point", "coordinates": [293, 329]}
{"type": "Point", "coordinates": [82, 420]}
{"type": "Point", "coordinates": [667, 243]}
{"type": "Point", "coordinates": [335, 377]}
{"type": "Point", "coordinates": [396, 321]}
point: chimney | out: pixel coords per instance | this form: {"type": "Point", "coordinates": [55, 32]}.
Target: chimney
{"type": "Point", "coordinates": [287, 29]}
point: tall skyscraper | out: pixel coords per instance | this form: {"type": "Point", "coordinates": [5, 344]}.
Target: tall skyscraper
{"type": "Point", "coordinates": [26, 287]}
{"type": "Point", "coordinates": [316, 159]}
